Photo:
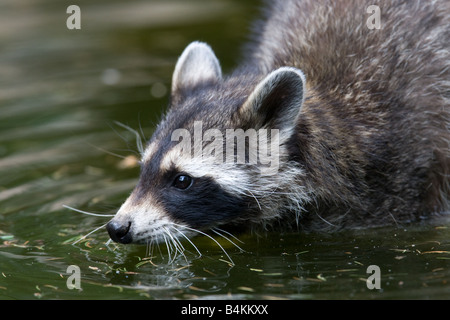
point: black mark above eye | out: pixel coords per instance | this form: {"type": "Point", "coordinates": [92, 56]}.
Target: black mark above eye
{"type": "Point", "coordinates": [182, 182]}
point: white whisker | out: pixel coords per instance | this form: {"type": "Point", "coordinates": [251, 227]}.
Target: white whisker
{"type": "Point", "coordinates": [107, 151]}
{"type": "Point", "coordinates": [324, 220]}
{"type": "Point", "coordinates": [159, 248]}
{"type": "Point", "coordinates": [231, 235]}
{"type": "Point", "coordinates": [183, 235]}
{"type": "Point", "coordinates": [228, 239]}
{"type": "Point", "coordinates": [207, 235]}
{"type": "Point", "coordinates": [85, 236]}
{"type": "Point", "coordinates": [257, 202]}
{"type": "Point", "coordinates": [178, 247]}
{"type": "Point", "coordinates": [150, 247]}
{"type": "Point", "coordinates": [88, 213]}
{"type": "Point", "coordinates": [139, 144]}
{"type": "Point", "coordinates": [168, 249]}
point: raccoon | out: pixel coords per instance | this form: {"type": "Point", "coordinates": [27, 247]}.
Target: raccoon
{"type": "Point", "coordinates": [356, 119]}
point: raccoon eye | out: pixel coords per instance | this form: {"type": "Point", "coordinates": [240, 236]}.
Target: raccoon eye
{"type": "Point", "coordinates": [182, 182]}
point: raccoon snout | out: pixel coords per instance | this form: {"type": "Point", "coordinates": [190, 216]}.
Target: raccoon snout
{"type": "Point", "coordinates": [120, 231]}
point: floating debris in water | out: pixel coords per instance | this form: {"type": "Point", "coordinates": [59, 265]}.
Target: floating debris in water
{"type": "Point", "coordinates": [248, 289]}
{"type": "Point", "coordinates": [128, 162]}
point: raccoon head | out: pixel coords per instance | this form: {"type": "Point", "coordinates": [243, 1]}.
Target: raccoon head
{"type": "Point", "coordinates": [220, 155]}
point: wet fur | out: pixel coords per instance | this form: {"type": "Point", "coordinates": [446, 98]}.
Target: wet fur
{"type": "Point", "coordinates": [373, 137]}
{"type": "Point", "coordinates": [367, 145]}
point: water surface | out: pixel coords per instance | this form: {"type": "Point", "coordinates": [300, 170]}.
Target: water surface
{"type": "Point", "coordinates": [62, 93]}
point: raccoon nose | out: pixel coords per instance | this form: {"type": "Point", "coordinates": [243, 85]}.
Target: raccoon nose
{"type": "Point", "coordinates": [119, 232]}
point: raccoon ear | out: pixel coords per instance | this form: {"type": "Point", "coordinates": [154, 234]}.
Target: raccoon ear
{"type": "Point", "coordinates": [197, 65]}
{"type": "Point", "coordinates": [277, 100]}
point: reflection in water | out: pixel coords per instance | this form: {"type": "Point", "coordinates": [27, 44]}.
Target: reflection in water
{"type": "Point", "coordinates": [67, 101]}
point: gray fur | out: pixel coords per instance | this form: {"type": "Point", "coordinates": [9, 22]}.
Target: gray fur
{"type": "Point", "coordinates": [363, 116]}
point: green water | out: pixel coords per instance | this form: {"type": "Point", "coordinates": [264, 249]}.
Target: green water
{"type": "Point", "coordinates": [62, 93]}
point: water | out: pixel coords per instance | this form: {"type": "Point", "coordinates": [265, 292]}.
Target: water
{"type": "Point", "coordinates": [61, 94]}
